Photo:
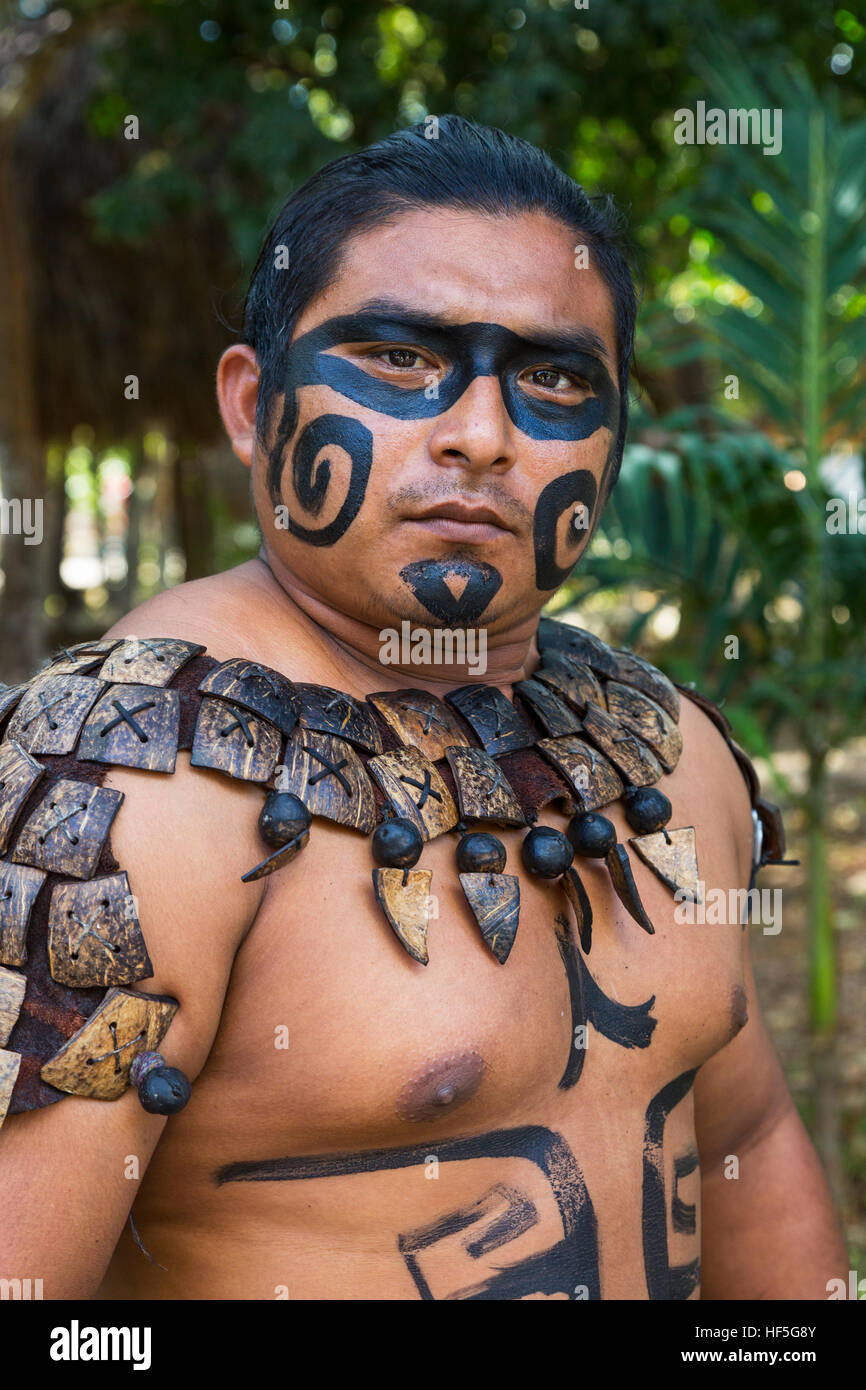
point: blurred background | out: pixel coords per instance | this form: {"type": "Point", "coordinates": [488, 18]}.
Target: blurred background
{"type": "Point", "coordinates": [146, 144]}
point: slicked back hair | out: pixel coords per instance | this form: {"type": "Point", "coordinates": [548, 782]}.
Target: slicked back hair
{"type": "Point", "coordinates": [469, 167]}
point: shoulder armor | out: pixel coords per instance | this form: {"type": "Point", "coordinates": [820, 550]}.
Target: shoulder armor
{"type": "Point", "coordinates": [593, 724]}
{"type": "Point", "coordinates": [625, 667]}
{"type": "Point", "coordinates": [72, 951]}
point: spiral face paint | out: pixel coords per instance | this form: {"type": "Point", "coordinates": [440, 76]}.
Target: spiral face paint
{"type": "Point", "coordinates": [330, 431]}
{"type": "Point", "coordinates": [574, 492]}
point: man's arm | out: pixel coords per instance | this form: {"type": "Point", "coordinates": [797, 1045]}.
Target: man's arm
{"type": "Point", "coordinates": [770, 1232]}
{"type": "Point", "coordinates": [184, 840]}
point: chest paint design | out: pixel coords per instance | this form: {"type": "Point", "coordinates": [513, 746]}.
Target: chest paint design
{"type": "Point", "coordinates": [482, 1230]}
{"type": "Point", "coordinates": [664, 1280]}
{"type": "Point", "coordinates": [570, 1262]}
{"type": "Point", "coordinates": [629, 1025]}
{"type": "Point", "coordinates": [569, 1266]}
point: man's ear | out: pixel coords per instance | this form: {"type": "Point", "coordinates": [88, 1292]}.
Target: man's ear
{"type": "Point", "coordinates": [237, 393]}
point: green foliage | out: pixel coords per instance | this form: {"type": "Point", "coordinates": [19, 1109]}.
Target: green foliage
{"type": "Point", "coordinates": [702, 519]}
{"type": "Point", "coordinates": [241, 101]}
{"type": "Point", "coordinates": [789, 230]}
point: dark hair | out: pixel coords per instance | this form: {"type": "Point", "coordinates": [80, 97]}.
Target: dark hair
{"type": "Point", "coordinates": [473, 167]}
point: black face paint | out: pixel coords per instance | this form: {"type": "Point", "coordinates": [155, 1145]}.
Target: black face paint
{"type": "Point", "coordinates": [471, 349]}
{"type": "Point", "coordinates": [664, 1280]}
{"type": "Point", "coordinates": [571, 491]}
{"type": "Point", "coordinates": [428, 580]}
{"type": "Point", "coordinates": [354, 439]}
{"type": "Point", "coordinates": [568, 1265]}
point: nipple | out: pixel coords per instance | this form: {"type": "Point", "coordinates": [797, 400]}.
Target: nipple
{"type": "Point", "coordinates": [441, 1086]}
{"type": "Point", "coordinates": [739, 1010]}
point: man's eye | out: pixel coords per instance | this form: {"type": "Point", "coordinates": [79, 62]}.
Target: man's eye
{"type": "Point", "coordinates": [551, 379]}
{"type": "Point", "coordinates": [403, 357]}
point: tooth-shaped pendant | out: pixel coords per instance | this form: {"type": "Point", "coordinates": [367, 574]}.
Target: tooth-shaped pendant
{"type": "Point", "coordinates": [404, 897]}
{"type": "Point", "coordinates": [581, 906]}
{"type": "Point", "coordinates": [622, 879]}
{"type": "Point", "coordinates": [672, 856]}
{"type": "Point", "coordinates": [284, 855]}
{"type": "Point", "coordinates": [495, 901]}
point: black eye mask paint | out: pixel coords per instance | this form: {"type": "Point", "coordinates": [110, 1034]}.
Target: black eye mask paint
{"type": "Point", "coordinates": [472, 349]}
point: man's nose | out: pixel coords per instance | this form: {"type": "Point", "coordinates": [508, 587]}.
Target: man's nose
{"type": "Point", "coordinates": [476, 433]}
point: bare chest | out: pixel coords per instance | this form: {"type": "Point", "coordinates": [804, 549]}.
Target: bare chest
{"type": "Point", "coordinates": [332, 1035]}
{"type": "Point", "coordinates": [464, 1129]}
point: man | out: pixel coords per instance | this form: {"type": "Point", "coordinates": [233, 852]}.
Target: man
{"type": "Point", "coordinates": [431, 397]}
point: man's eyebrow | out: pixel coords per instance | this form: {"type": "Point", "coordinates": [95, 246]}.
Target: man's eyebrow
{"type": "Point", "coordinates": [578, 339]}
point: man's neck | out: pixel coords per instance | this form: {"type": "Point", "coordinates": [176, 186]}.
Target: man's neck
{"type": "Point", "coordinates": [353, 649]}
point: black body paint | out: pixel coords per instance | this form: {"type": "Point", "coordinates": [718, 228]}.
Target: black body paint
{"type": "Point", "coordinates": [569, 1264]}
{"type": "Point", "coordinates": [427, 580]}
{"type": "Point", "coordinates": [500, 1215]}
{"type": "Point", "coordinates": [683, 1214]}
{"type": "Point", "coordinates": [356, 440]}
{"type": "Point", "coordinates": [558, 497]}
{"type": "Point", "coordinates": [630, 1025]}
{"type": "Point", "coordinates": [522, 1215]}
{"type": "Point", "coordinates": [665, 1281]}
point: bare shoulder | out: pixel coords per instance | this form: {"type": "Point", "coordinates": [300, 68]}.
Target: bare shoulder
{"type": "Point", "coordinates": [708, 787]}
{"type": "Point", "coordinates": [215, 612]}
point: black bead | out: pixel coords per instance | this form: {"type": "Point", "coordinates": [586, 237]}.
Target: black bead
{"type": "Point", "coordinates": [591, 834]}
{"type": "Point", "coordinates": [282, 817]}
{"type": "Point", "coordinates": [397, 844]}
{"type": "Point", "coordinates": [164, 1091]}
{"type": "Point", "coordinates": [647, 809]}
{"type": "Point", "coordinates": [480, 853]}
{"type": "Point", "coordinates": [546, 852]}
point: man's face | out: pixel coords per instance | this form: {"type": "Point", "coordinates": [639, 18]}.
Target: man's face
{"type": "Point", "coordinates": [450, 409]}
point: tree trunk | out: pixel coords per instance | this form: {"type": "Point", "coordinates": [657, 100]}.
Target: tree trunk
{"type": "Point", "coordinates": [193, 512]}
{"type": "Point", "coordinates": [23, 641]}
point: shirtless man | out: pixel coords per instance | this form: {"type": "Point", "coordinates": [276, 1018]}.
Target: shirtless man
{"type": "Point", "coordinates": [448, 322]}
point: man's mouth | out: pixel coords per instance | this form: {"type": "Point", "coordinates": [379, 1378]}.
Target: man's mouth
{"type": "Point", "coordinates": [462, 521]}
